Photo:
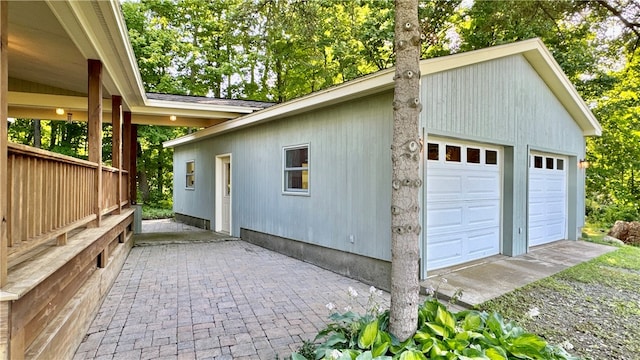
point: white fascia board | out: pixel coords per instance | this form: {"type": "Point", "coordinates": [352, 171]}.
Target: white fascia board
{"type": "Point", "coordinates": [184, 112]}
{"type": "Point", "coordinates": [370, 84]}
{"type": "Point", "coordinates": [164, 104]}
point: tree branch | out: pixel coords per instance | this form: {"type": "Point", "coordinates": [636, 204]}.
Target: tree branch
{"type": "Point", "coordinates": [632, 26]}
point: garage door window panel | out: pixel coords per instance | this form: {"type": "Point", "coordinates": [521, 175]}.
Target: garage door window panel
{"type": "Point", "coordinates": [433, 151]}
{"type": "Point", "coordinates": [491, 157]}
{"type": "Point", "coordinates": [473, 155]}
{"type": "Point", "coordinates": [454, 153]}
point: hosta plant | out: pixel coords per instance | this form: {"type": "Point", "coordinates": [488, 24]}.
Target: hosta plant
{"type": "Point", "coordinates": [466, 335]}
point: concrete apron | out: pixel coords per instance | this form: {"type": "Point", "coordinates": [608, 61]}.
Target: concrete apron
{"type": "Point", "coordinates": [488, 278]}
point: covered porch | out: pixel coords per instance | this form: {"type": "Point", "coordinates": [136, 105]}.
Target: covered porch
{"type": "Point", "coordinates": [66, 226]}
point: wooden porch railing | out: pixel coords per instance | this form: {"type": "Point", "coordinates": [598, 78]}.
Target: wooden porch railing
{"type": "Point", "coordinates": [51, 194]}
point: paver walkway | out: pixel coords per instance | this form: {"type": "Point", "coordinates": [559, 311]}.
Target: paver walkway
{"type": "Point", "coordinates": [216, 300]}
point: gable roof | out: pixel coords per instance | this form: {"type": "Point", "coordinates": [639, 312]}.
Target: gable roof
{"type": "Point", "coordinates": [533, 51]}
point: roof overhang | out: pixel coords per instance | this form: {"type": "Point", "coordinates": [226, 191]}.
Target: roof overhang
{"type": "Point", "coordinates": [48, 59]}
{"type": "Point", "coordinates": [533, 50]}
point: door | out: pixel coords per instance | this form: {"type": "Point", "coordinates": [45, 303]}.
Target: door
{"type": "Point", "coordinates": [547, 219]}
{"type": "Point", "coordinates": [463, 197]}
{"type": "Point", "coordinates": [223, 193]}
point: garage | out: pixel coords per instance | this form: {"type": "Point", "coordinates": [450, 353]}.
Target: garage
{"type": "Point", "coordinates": [463, 209]}
{"type": "Point", "coordinates": [547, 198]}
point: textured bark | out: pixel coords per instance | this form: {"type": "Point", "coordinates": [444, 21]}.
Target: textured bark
{"type": "Point", "coordinates": [405, 153]}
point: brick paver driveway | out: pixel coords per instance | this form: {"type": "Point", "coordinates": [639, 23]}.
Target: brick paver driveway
{"type": "Point", "coordinates": [220, 300]}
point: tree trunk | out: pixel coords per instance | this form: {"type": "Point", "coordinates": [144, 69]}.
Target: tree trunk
{"type": "Point", "coordinates": [143, 182]}
{"type": "Point", "coordinates": [406, 181]}
{"type": "Point", "coordinates": [160, 172]}
{"type": "Point", "coordinates": [37, 134]}
{"type": "Point", "coordinates": [54, 134]}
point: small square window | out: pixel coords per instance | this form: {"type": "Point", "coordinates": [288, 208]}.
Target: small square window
{"type": "Point", "coordinates": [537, 162]}
{"type": "Point", "coordinates": [296, 169]}
{"type": "Point", "coordinates": [191, 175]}
{"type": "Point", "coordinates": [550, 162]}
{"type": "Point", "coordinates": [433, 151]}
{"type": "Point", "coordinates": [473, 156]}
{"type": "Point", "coordinates": [453, 153]}
{"type": "Point", "coordinates": [491, 157]}
{"type": "Point", "coordinates": [560, 164]}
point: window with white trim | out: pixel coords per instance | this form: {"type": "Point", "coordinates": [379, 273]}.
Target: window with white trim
{"type": "Point", "coordinates": [296, 169]}
{"type": "Point", "coordinates": [191, 175]}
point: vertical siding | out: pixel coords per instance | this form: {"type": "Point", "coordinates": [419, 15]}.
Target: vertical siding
{"type": "Point", "coordinates": [505, 102]}
{"type": "Point", "coordinates": [502, 102]}
{"type": "Point", "coordinates": [349, 177]}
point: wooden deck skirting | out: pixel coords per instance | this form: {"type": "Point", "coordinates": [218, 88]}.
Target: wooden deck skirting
{"type": "Point", "coordinates": [54, 296]}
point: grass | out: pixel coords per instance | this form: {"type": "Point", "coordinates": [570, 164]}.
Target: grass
{"type": "Point", "coordinates": [151, 213]}
{"type": "Point", "coordinates": [594, 305]}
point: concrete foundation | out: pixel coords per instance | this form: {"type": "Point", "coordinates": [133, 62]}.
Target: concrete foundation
{"type": "Point", "coordinates": [193, 221]}
{"type": "Point", "coordinates": [371, 271]}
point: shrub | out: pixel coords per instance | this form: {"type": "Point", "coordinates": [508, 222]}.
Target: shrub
{"type": "Point", "coordinates": [151, 213]}
{"type": "Point", "coordinates": [607, 215]}
{"type": "Point", "coordinates": [441, 334]}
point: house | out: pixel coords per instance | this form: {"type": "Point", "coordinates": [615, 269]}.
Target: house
{"type": "Point", "coordinates": [66, 223]}
{"type": "Point", "coordinates": [503, 142]}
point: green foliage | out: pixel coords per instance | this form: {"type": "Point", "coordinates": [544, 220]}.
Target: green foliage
{"type": "Point", "coordinates": [151, 212]}
{"type": "Point", "coordinates": [441, 334]}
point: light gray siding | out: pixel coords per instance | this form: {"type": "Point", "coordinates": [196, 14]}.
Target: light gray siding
{"type": "Point", "coordinates": [505, 102]}
{"type": "Point", "coordinates": [349, 177]}
{"type": "Point", "coordinates": [502, 102]}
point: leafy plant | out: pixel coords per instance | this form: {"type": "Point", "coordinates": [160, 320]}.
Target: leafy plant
{"type": "Point", "coordinates": [441, 334]}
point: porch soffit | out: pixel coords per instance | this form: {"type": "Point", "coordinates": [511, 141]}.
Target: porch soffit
{"type": "Point", "coordinates": [49, 44]}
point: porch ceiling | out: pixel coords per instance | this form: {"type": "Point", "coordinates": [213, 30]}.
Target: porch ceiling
{"type": "Point", "coordinates": [49, 44]}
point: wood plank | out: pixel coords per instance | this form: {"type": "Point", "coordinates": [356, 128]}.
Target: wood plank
{"type": "Point", "coordinates": [133, 166]}
{"type": "Point", "coordinates": [64, 335]}
{"type": "Point", "coordinates": [116, 148]}
{"type": "Point", "coordinates": [5, 337]}
{"type": "Point", "coordinates": [41, 300]}
{"type": "Point", "coordinates": [10, 198]}
{"type": "Point", "coordinates": [127, 149]}
{"type": "Point", "coordinates": [43, 238]}
{"type": "Point", "coordinates": [26, 275]}
{"type": "Point", "coordinates": [29, 151]}
{"type": "Point", "coordinates": [94, 112]}
{"type": "Point", "coordinates": [5, 346]}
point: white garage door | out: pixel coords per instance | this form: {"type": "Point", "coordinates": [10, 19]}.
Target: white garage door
{"type": "Point", "coordinates": [463, 202]}
{"type": "Point", "coordinates": [547, 198]}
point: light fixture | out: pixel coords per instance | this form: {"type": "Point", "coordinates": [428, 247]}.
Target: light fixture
{"type": "Point", "coordinates": [583, 164]}
{"type": "Point", "coordinates": [60, 111]}
{"type": "Point", "coordinates": [172, 118]}
{"type": "Point", "coordinates": [69, 117]}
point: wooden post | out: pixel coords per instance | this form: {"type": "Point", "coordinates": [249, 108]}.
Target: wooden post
{"type": "Point", "coordinates": [4, 80]}
{"type": "Point", "coordinates": [5, 306]}
{"type": "Point", "coordinates": [127, 148]}
{"type": "Point", "coordinates": [116, 148]}
{"type": "Point", "coordinates": [94, 120]}
{"type": "Point", "coordinates": [133, 165]}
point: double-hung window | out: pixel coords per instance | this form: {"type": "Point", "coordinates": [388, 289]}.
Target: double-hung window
{"type": "Point", "coordinates": [296, 169]}
{"type": "Point", "coordinates": [191, 175]}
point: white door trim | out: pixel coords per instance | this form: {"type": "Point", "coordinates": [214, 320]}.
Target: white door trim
{"type": "Point", "coordinates": [219, 190]}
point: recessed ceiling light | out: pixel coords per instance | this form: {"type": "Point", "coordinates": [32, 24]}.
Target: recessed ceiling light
{"type": "Point", "coordinates": [60, 111]}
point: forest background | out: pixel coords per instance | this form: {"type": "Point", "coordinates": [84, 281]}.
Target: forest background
{"type": "Point", "coordinates": [277, 50]}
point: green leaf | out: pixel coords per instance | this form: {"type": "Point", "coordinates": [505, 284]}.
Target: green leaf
{"type": "Point", "coordinates": [296, 356]}
{"type": "Point", "coordinates": [527, 345]}
{"type": "Point", "coordinates": [496, 353]}
{"type": "Point", "coordinates": [444, 317]}
{"type": "Point", "coordinates": [380, 349]}
{"type": "Point", "coordinates": [472, 322]}
{"type": "Point", "coordinates": [365, 356]}
{"type": "Point", "coordinates": [412, 355]}
{"type": "Point", "coordinates": [438, 330]}
{"type": "Point", "coordinates": [368, 335]}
